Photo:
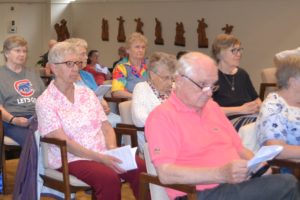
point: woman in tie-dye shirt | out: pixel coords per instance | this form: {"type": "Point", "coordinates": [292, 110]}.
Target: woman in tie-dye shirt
{"type": "Point", "coordinates": [126, 75]}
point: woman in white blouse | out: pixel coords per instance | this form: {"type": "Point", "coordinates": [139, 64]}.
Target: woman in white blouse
{"type": "Point", "coordinates": [148, 94]}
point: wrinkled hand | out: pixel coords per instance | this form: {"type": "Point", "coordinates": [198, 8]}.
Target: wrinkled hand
{"type": "Point", "coordinates": [21, 121]}
{"type": "Point", "coordinates": [250, 107]}
{"type": "Point", "coordinates": [113, 163]}
{"type": "Point", "coordinates": [235, 171]}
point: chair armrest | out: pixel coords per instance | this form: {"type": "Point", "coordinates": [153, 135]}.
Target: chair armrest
{"type": "Point", "coordinates": [116, 100]}
{"type": "Point", "coordinates": [145, 179]}
{"type": "Point", "coordinates": [132, 132]}
{"type": "Point", "coordinates": [62, 144]}
{"type": "Point", "coordinates": [130, 126]}
{"type": "Point", "coordinates": [294, 165]}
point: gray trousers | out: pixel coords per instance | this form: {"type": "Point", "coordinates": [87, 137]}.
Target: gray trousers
{"type": "Point", "coordinates": [272, 187]}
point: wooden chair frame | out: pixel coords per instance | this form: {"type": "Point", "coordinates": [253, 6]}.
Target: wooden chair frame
{"type": "Point", "coordinates": [263, 87]}
{"type": "Point", "coordinates": [294, 165]}
{"type": "Point", "coordinates": [63, 186]}
{"type": "Point", "coordinates": [15, 150]}
{"type": "Point", "coordinates": [146, 179]}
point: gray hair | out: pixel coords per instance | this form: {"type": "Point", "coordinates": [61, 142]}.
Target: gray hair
{"type": "Point", "coordinates": [136, 37]}
{"type": "Point", "coordinates": [78, 42]}
{"type": "Point", "coordinates": [162, 60]}
{"type": "Point", "coordinates": [13, 42]}
{"type": "Point", "coordinates": [59, 51]}
{"type": "Point", "coordinates": [288, 67]}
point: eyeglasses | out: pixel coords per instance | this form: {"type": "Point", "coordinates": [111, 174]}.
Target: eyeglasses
{"type": "Point", "coordinates": [70, 64]}
{"type": "Point", "coordinates": [235, 51]}
{"type": "Point", "coordinates": [163, 78]}
{"type": "Point", "coordinates": [203, 88]}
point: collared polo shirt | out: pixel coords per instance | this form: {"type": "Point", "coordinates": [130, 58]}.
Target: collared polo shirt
{"type": "Point", "coordinates": [179, 135]}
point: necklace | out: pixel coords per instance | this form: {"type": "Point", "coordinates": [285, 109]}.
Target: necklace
{"type": "Point", "coordinates": [231, 83]}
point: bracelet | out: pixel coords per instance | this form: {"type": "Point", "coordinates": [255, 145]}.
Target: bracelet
{"type": "Point", "coordinates": [11, 119]}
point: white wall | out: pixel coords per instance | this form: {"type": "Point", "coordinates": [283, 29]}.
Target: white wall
{"type": "Point", "coordinates": [29, 19]}
{"type": "Point", "coordinates": [264, 26]}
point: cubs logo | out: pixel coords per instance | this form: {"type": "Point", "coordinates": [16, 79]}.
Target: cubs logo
{"type": "Point", "coordinates": [24, 87]}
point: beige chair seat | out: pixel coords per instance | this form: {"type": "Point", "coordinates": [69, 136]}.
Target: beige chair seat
{"type": "Point", "coordinates": [59, 176]}
{"type": "Point", "coordinates": [9, 141]}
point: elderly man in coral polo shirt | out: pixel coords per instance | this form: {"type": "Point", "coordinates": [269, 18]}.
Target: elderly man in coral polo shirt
{"type": "Point", "coordinates": [192, 142]}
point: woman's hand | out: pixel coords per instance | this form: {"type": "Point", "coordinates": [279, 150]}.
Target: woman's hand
{"type": "Point", "coordinates": [20, 121]}
{"type": "Point", "coordinates": [105, 106]}
{"type": "Point", "coordinates": [112, 162]}
{"type": "Point", "coordinates": [250, 107]}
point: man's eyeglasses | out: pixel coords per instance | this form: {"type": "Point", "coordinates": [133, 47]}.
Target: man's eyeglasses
{"type": "Point", "coordinates": [70, 64]}
{"type": "Point", "coordinates": [235, 51]}
{"type": "Point", "coordinates": [203, 88]}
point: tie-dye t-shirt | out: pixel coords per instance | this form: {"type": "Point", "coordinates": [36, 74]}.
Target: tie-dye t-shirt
{"type": "Point", "coordinates": [126, 76]}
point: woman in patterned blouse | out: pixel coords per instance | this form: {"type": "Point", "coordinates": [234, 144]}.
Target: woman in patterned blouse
{"type": "Point", "coordinates": [127, 74]}
{"type": "Point", "coordinates": [278, 122]}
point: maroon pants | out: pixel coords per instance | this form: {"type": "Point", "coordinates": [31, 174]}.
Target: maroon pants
{"type": "Point", "coordinates": [104, 181]}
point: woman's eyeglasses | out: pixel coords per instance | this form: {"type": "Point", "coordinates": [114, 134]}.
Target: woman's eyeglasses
{"type": "Point", "coordinates": [70, 64]}
{"type": "Point", "coordinates": [235, 51]}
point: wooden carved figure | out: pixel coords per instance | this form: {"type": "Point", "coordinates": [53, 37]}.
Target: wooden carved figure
{"type": "Point", "coordinates": [121, 31]}
{"type": "Point", "coordinates": [62, 31]}
{"type": "Point", "coordinates": [227, 29]}
{"type": "Point", "coordinates": [139, 25]}
{"type": "Point", "coordinates": [105, 33]}
{"type": "Point", "coordinates": [58, 32]}
{"type": "Point", "coordinates": [158, 35]}
{"type": "Point", "coordinates": [202, 39]}
{"type": "Point", "coordinates": [179, 37]}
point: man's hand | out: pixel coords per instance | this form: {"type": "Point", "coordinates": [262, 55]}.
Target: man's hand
{"type": "Point", "coordinates": [235, 171]}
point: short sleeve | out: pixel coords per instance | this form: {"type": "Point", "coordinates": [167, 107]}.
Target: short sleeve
{"type": "Point", "coordinates": [47, 117]}
{"type": "Point", "coordinates": [119, 78]}
{"type": "Point", "coordinates": [163, 141]}
{"type": "Point", "coordinates": [271, 123]}
{"type": "Point", "coordinates": [140, 104]}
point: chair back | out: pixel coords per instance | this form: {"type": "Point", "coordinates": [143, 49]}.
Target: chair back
{"type": "Point", "coordinates": [125, 112]}
{"type": "Point", "coordinates": [157, 192]}
{"type": "Point", "coordinates": [268, 82]}
{"type": "Point", "coordinates": [249, 137]}
{"type": "Point", "coordinates": [268, 75]}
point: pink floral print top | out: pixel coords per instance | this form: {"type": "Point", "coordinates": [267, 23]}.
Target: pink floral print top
{"type": "Point", "coordinates": [81, 121]}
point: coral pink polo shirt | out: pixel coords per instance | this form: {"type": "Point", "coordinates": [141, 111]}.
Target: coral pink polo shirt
{"type": "Point", "coordinates": [179, 135]}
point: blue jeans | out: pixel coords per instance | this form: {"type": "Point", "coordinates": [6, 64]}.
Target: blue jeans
{"type": "Point", "coordinates": [17, 133]}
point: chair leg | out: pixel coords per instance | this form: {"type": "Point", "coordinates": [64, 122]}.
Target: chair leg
{"type": "Point", "coordinates": [4, 174]}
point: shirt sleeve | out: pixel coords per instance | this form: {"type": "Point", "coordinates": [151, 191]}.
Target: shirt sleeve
{"type": "Point", "coordinates": [271, 122]}
{"type": "Point", "coordinates": [48, 119]}
{"type": "Point", "coordinates": [139, 106]}
{"type": "Point", "coordinates": [251, 90]}
{"type": "Point", "coordinates": [119, 78]}
{"type": "Point", "coordinates": [163, 141]}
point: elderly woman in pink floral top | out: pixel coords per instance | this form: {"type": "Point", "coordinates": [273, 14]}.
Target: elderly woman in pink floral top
{"type": "Point", "coordinates": [73, 113]}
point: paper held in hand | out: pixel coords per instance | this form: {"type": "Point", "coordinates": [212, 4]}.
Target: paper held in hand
{"type": "Point", "coordinates": [126, 154]}
{"type": "Point", "coordinates": [264, 154]}
{"type": "Point", "coordinates": [102, 90]}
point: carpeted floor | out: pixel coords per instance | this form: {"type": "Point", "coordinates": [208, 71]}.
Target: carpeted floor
{"type": "Point", "coordinates": [11, 166]}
